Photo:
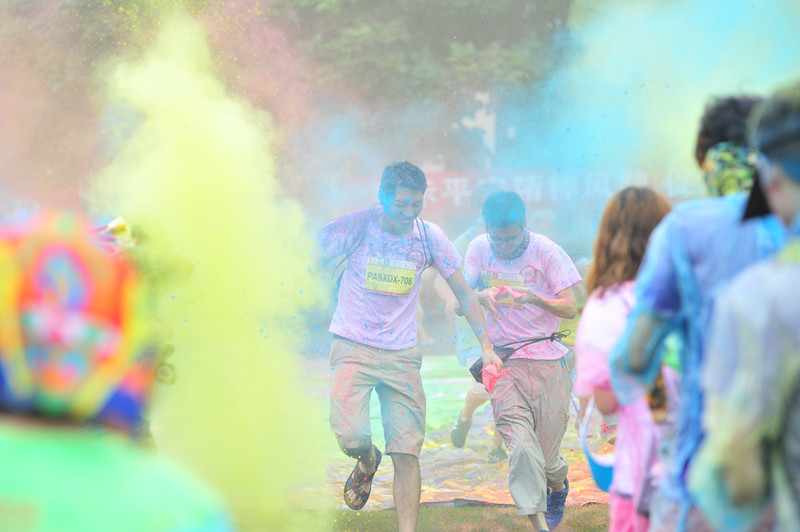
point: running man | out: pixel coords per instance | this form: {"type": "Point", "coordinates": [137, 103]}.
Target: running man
{"type": "Point", "coordinates": [386, 248]}
{"type": "Point", "coordinates": [531, 402]}
{"type": "Point", "coordinates": [468, 350]}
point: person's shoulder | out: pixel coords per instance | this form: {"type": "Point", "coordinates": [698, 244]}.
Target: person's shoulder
{"type": "Point", "coordinates": [480, 243]}
{"type": "Point", "coordinates": [347, 221]}
{"type": "Point", "coordinates": [617, 297]}
{"type": "Point", "coordinates": [755, 275]}
{"type": "Point", "coordinates": [699, 223]}
{"type": "Point", "coordinates": [432, 226]}
{"type": "Point", "coordinates": [704, 210]}
{"type": "Point", "coordinates": [431, 231]}
{"type": "Point", "coordinates": [113, 471]}
{"type": "Point", "coordinates": [767, 281]}
{"type": "Point", "coordinates": [753, 290]}
{"type": "Point", "coordinates": [544, 246]}
{"type": "Point", "coordinates": [360, 216]}
{"type": "Point", "coordinates": [543, 241]}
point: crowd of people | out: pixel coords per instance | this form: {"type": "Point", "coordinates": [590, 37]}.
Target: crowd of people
{"type": "Point", "coordinates": [684, 336]}
{"type": "Point", "coordinates": [689, 310]}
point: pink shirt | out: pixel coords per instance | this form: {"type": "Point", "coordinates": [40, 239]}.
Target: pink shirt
{"type": "Point", "coordinates": [546, 269]}
{"type": "Point", "coordinates": [380, 286]}
{"type": "Point", "coordinates": [602, 324]}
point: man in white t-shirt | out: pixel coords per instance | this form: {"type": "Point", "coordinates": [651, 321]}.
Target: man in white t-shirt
{"type": "Point", "coordinates": [530, 402]}
{"type": "Point", "coordinates": [386, 248]}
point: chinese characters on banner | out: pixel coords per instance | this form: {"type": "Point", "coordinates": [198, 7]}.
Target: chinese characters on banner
{"type": "Point", "coordinates": [449, 192]}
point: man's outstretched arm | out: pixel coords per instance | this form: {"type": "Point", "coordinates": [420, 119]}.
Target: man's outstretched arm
{"type": "Point", "coordinates": [473, 312]}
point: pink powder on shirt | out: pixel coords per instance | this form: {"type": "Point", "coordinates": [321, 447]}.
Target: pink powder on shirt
{"type": "Point", "coordinates": [603, 321]}
{"type": "Point", "coordinates": [602, 324]}
{"type": "Point", "coordinates": [382, 320]}
{"type": "Point", "coordinates": [546, 269]}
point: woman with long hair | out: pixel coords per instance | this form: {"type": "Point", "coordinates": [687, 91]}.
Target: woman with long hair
{"type": "Point", "coordinates": [628, 219]}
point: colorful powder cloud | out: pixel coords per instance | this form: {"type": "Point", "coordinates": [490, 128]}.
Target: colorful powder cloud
{"type": "Point", "coordinates": [198, 163]}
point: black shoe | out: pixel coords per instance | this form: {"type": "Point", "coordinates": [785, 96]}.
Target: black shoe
{"type": "Point", "coordinates": [498, 454]}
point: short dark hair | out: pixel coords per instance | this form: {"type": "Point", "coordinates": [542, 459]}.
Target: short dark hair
{"type": "Point", "coordinates": [405, 175]}
{"type": "Point", "coordinates": [724, 120]}
{"type": "Point", "coordinates": [504, 208]}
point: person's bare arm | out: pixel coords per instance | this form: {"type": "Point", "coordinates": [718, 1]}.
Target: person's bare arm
{"type": "Point", "coordinates": [605, 401]}
{"type": "Point", "coordinates": [451, 307]}
{"type": "Point", "coordinates": [472, 311]}
{"type": "Point", "coordinates": [564, 305]}
{"type": "Point", "coordinates": [643, 329]}
{"type": "Point", "coordinates": [583, 404]}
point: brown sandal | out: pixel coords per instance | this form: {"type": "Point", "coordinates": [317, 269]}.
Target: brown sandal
{"type": "Point", "coordinates": [357, 480]}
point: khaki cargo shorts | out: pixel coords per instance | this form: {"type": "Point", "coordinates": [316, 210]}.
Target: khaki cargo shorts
{"type": "Point", "coordinates": [355, 370]}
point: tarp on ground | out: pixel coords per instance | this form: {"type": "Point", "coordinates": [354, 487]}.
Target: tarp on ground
{"type": "Point", "coordinates": [449, 475]}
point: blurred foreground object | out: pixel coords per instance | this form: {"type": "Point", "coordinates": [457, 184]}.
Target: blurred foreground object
{"type": "Point", "coordinates": [75, 347]}
{"type": "Point", "coordinates": [145, 243]}
{"type": "Point", "coordinates": [751, 457]}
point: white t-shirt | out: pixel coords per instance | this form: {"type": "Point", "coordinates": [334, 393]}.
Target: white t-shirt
{"type": "Point", "coordinates": [380, 286]}
{"type": "Point", "coordinates": [546, 269]}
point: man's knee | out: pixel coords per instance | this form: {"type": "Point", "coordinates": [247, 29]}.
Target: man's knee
{"type": "Point", "coordinates": [404, 460]}
{"type": "Point", "coordinates": [356, 452]}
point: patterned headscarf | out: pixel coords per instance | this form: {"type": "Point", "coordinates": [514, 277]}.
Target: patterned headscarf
{"type": "Point", "coordinates": [73, 342]}
{"type": "Point", "coordinates": [729, 169]}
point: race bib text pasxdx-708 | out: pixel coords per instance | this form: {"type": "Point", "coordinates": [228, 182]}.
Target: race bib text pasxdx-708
{"type": "Point", "coordinates": [390, 276]}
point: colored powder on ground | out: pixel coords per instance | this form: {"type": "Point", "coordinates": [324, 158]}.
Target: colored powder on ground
{"type": "Point", "coordinates": [196, 163]}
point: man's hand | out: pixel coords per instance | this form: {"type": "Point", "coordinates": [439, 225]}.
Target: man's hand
{"type": "Point", "coordinates": [529, 297]}
{"type": "Point", "coordinates": [487, 299]}
{"type": "Point", "coordinates": [490, 357]}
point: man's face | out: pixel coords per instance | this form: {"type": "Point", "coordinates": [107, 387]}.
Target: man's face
{"type": "Point", "coordinates": [404, 208]}
{"type": "Point", "coordinates": [506, 239]}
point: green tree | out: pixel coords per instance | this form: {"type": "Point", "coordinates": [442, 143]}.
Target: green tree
{"type": "Point", "coordinates": [418, 49]}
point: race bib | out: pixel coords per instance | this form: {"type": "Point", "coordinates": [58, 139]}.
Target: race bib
{"type": "Point", "coordinates": [391, 277]}
{"type": "Point", "coordinates": [498, 279]}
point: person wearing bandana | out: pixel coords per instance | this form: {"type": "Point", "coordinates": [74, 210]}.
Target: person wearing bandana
{"type": "Point", "coordinates": [525, 281]}
{"type": "Point", "coordinates": [691, 257]}
{"type": "Point", "coordinates": [385, 250]}
{"type": "Point", "coordinates": [750, 458]}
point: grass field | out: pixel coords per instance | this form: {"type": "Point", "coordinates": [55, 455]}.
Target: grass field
{"type": "Point", "coordinates": [449, 475]}
{"type": "Point", "coordinates": [589, 518]}
{"type": "Point", "coordinates": [433, 518]}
